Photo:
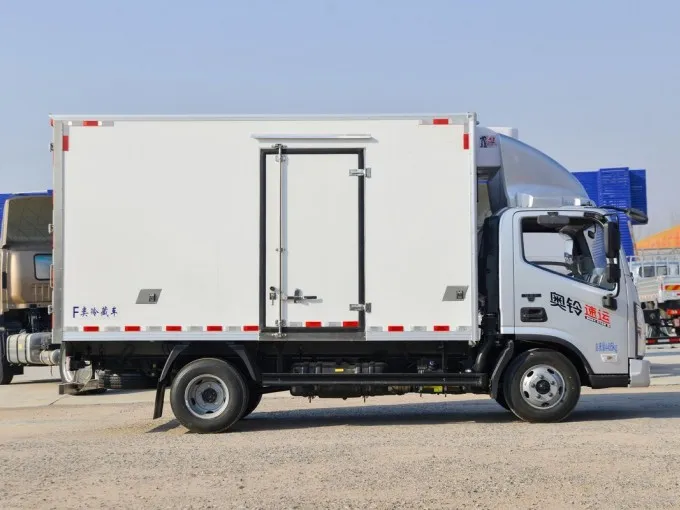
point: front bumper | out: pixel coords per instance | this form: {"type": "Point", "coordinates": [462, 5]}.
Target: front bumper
{"type": "Point", "coordinates": [640, 373]}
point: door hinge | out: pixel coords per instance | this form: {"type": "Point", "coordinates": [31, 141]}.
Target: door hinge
{"type": "Point", "coordinates": [360, 172]}
{"type": "Point", "coordinates": [280, 157]}
{"type": "Point", "coordinates": [366, 307]}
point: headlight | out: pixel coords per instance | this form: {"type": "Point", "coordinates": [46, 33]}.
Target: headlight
{"type": "Point", "coordinates": [640, 332]}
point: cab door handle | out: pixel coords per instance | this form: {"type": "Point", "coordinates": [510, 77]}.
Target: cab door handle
{"type": "Point", "coordinates": [533, 315]}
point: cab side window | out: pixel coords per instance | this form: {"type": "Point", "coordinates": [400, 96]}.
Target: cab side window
{"type": "Point", "coordinates": [574, 251]}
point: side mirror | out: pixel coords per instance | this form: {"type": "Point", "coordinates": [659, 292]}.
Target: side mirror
{"type": "Point", "coordinates": [612, 248]}
{"type": "Point", "coordinates": [612, 240]}
{"type": "Point", "coordinates": [612, 273]}
{"type": "Point", "coordinates": [637, 216]}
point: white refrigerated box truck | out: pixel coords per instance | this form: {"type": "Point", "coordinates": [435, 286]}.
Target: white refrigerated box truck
{"type": "Point", "coordinates": [334, 256]}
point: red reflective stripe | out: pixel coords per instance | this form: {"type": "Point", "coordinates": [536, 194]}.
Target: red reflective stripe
{"type": "Point", "coordinates": [651, 341]}
{"type": "Point", "coordinates": [313, 324]}
{"type": "Point", "coordinates": [251, 328]}
{"type": "Point", "coordinates": [64, 143]}
{"type": "Point", "coordinates": [173, 328]}
{"type": "Point", "coordinates": [132, 328]}
{"type": "Point", "coordinates": [675, 340]}
{"type": "Point", "coordinates": [90, 123]}
{"type": "Point", "coordinates": [395, 328]}
{"type": "Point", "coordinates": [440, 122]}
{"type": "Point", "coordinates": [466, 141]}
{"type": "Point", "coordinates": [214, 328]}
{"type": "Point", "coordinates": [91, 329]}
{"type": "Point", "coordinates": [442, 328]}
{"type": "Point", "coordinates": [350, 324]}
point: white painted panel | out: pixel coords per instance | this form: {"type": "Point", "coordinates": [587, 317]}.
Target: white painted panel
{"type": "Point", "coordinates": [175, 205]}
{"type": "Point", "coordinates": [320, 237]}
{"type": "Point", "coordinates": [419, 228]}
{"type": "Point", "coordinates": [165, 206]}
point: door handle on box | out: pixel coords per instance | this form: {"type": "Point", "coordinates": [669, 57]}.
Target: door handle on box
{"type": "Point", "coordinates": [298, 297]}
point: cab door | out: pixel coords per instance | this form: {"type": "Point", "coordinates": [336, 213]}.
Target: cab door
{"type": "Point", "coordinates": [560, 289]}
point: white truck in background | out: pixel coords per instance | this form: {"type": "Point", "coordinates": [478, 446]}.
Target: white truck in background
{"type": "Point", "coordinates": [334, 257]}
{"type": "Point", "coordinates": [657, 278]}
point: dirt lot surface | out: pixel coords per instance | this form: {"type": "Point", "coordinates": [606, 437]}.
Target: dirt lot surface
{"type": "Point", "coordinates": [619, 450]}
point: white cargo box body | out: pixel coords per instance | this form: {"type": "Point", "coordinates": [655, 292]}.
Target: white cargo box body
{"type": "Point", "coordinates": [193, 228]}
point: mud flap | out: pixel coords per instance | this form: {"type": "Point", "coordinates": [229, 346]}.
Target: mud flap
{"type": "Point", "coordinates": [498, 370]}
{"type": "Point", "coordinates": [163, 379]}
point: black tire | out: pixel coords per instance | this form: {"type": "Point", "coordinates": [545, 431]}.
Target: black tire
{"type": "Point", "coordinates": [253, 401]}
{"type": "Point", "coordinates": [543, 368]}
{"type": "Point", "coordinates": [500, 398]}
{"type": "Point", "coordinates": [219, 374]}
{"type": "Point", "coordinates": [6, 374]}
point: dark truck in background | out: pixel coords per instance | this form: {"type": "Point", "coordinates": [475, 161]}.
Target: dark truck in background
{"type": "Point", "coordinates": [26, 291]}
{"type": "Point", "coordinates": [26, 299]}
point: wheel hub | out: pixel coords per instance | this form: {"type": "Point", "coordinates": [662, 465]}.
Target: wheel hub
{"type": "Point", "coordinates": [542, 387]}
{"type": "Point", "coordinates": [209, 396]}
{"type": "Point", "coordinates": [206, 396]}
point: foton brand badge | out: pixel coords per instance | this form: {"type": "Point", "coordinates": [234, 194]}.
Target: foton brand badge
{"type": "Point", "coordinates": [597, 316]}
{"type": "Point", "coordinates": [487, 141]}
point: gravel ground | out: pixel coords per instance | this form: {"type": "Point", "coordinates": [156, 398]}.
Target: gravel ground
{"type": "Point", "coordinates": [619, 450]}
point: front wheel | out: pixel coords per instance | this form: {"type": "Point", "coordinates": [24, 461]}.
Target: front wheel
{"type": "Point", "coordinates": [209, 395]}
{"type": "Point", "coordinates": [501, 400]}
{"type": "Point", "coordinates": [6, 374]}
{"type": "Point", "coordinates": [542, 386]}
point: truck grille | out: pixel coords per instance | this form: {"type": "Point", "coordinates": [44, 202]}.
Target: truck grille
{"type": "Point", "coordinates": [42, 293]}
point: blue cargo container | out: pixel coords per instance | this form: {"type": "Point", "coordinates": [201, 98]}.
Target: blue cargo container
{"type": "Point", "coordinates": [620, 187]}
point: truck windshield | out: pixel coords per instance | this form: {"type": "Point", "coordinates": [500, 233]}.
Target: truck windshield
{"type": "Point", "coordinates": [575, 251]}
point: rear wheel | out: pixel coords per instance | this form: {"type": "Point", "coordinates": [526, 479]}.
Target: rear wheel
{"type": "Point", "coordinates": [209, 395]}
{"type": "Point", "coordinates": [253, 401]}
{"type": "Point", "coordinates": [542, 386]}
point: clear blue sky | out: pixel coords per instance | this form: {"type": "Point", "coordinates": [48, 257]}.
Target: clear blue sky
{"type": "Point", "coordinates": [592, 83]}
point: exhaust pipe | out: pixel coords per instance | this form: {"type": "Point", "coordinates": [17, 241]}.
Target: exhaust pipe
{"type": "Point", "coordinates": [51, 358]}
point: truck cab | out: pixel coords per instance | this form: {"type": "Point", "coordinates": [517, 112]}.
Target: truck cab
{"type": "Point", "coordinates": [26, 293]}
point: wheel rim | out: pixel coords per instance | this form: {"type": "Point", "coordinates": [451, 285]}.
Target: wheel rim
{"type": "Point", "coordinates": [542, 387]}
{"type": "Point", "coordinates": [206, 396]}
